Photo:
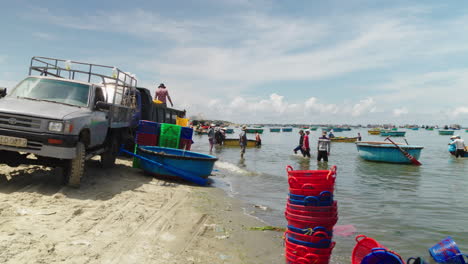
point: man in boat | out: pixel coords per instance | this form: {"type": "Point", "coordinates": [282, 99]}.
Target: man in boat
{"type": "Point", "coordinates": [301, 141]}
{"type": "Point", "coordinates": [331, 134]}
{"type": "Point", "coordinates": [460, 145]}
{"type": "Point", "coordinates": [323, 147]}
{"type": "Point", "coordinates": [243, 140]}
{"type": "Point", "coordinates": [211, 136]}
{"type": "Point", "coordinates": [162, 93]}
{"type": "Point", "coordinates": [305, 145]}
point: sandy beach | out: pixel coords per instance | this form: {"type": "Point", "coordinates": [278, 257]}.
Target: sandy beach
{"type": "Point", "coordinates": [124, 216]}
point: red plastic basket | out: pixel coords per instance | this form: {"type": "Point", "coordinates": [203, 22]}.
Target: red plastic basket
{"type": "Point", "coordinates": [316, 237]}
{"type": "Point", "coordinates": [313, 208]}
{"type": "Point", "coordinates": [309, 189]}
{"type": "Point", "coordinates": [308, 259]}
{"type": "Point", "coordinates": [144, 139]}
{"type": "Point", "coordinates": [363, 247]}
{"type": "Point", "coordinates": [302, 251]}
{"type": "Point", "coordinates": [301, 222]}
{"type": "Point", "coordinates": [333, 213]}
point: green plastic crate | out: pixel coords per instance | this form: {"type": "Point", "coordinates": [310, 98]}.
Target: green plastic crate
{"type": "Point", "coordinates": [169, 142]}
{"type": "Point", "coordinates": [170, 130]}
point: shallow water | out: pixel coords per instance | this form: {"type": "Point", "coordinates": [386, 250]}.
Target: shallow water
{"type": "Point", "coordinates": [406, 208]}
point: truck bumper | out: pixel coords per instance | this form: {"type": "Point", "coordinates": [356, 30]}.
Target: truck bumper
{"type": "Point", "coordinates": [64, 146]}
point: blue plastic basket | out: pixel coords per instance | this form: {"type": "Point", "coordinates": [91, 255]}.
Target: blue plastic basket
{"type": "Point", "coordinates": [324, 199]}
{"type": "Point", "coordinates": [323, 243]}
{"type": "Point", "coordinates": [447, 251]}
{"type": "Point", "coordinates": [381, 256]}
{"type": "Point", "coordinates": [186, 133]}
{"type": "Point", "coordinates": [309, 231]}
{"type": "Point", "coordinates": [149, 127]}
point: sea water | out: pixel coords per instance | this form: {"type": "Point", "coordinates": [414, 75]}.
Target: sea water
{"type": "Point", "coordinates": [406, 208]}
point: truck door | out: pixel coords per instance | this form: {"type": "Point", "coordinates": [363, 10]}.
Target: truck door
{"type": "Point", "coordinates": [99, 120]}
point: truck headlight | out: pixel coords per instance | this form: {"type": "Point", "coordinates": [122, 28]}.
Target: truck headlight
{"type": "Point", "coordinates": [55, 126]}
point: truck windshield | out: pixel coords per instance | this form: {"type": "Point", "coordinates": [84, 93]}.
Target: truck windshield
{"type": "Point", "coordinates": [75, 94]}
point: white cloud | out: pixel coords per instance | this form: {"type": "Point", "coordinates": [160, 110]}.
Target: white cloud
{"type": "Point", "coordinates": [462, 110]}
{"type": "Point", "coordinates": [400, 111]}
{"type": "Point", "coordinates": [364, 106]}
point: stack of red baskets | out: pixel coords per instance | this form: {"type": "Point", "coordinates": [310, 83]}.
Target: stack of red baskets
{"type": "Point", "coordinates": [311, 213]}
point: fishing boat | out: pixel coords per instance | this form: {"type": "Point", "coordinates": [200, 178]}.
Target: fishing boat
{"type": "Point", "coordinates": [287, 129]}
{"type": "Point", "coordinates": [389, 133]}
{"type": "Point", "coordinates": [229, 130]}
{"type": "Point", "coordinates": [254, 130]}
{"type": "Point", "coordinates": [430, 128]}
{"type": "Point", "coordinates": [305, 127]}
{"type": "Point", "coordinates": [275, 129]}
{"type": "Point", "coordinates": [387, 152]}
{"type": "Point", "coordinates": [446, 132]}
{"type": "Point", "coordinates": [346, 128]}
{"type": "Point", "coordinates": [337, 129]}
{"type": "Point", "coordinates": [414, 128]}
{"type": "Point", "coordinates": [234, 142]}
{"type": "Point", "coordinates": [374, 131]}
{"type": "Point", "coordinates": [313, 128]}
{"type": "Point", "coordinates": [394, 129]}
{"type": "Point", "coordinates": [193, 163]}
{"type": "Point", "coordinates": [344, 139]}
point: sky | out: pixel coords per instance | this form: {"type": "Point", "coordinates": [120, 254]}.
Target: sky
{"type": "Point", "coordinates": [302, 61]}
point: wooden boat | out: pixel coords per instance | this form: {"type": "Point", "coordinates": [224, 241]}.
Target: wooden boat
{"type": "Point", "coordinates": [313, 128]}
{"type": "Point", "coordinates": [387, 152]}
{"type": "Point", "coordinates": [374, 132]}
{"type": "Point", "coordinates": [196, 164]}
{"type": "Point", "coordinates": [230, 131]}
{"type": "Point", "coordinates": [254, 130]}
{"type": "Point", "coordinates": [287, 129]}
{"type": "Point", "coordinates": [344, 139]}
{"type": "Point", "coordinates": [275, 129]}
{"type": "Point", "coordinates": [446, 132]}
{"type": "Point", "coordinates": [234, 142]}
{"type": "Point", "coordinates": [387, 133]}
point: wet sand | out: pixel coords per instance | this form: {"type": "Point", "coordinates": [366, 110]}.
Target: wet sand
{"type": "Point", "coordinates": [124, 216]}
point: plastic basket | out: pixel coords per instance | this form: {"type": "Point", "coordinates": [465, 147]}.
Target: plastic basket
{"type": "Point", "coordinates": [319, 219]}
{"type": "Point", "coordinates": [363, 247]}
{"type": "Point", "coordinates": [315, 237]}
{"type": "Point", "coordinates": [185, 144]}
{"type": "Point", "coordinates": [333, 207]}
{"type": "Point", "coordinates": [170, 130]}
{"type": "Point", "coordinates": [323, 199]}
{"type": "Point", "coordinates": [382, 256]}
{"type": "Point", "coordinates": [312, 213]}
{"type": "Point", "coordinates": [144, 139]}
{"type": "Point", "coordinates": [148, 127]}
{"type": "Point", "coordinates": [302, 251]}
{"type": "Point", "coordinates": [186, 133]}
{"type": "Point", "coordinates": [310, 258]}
{"type": "Point", "coordinates": [312, 174]}
{"type": "Point", "coordinates": [447, 250]}
{"type": "Point", "coordinates": [303, 222]}
{"type": "Point", "coordinates": [169, 142]}
{"type": "Point", "coordinates": [320, 243]}
{"type": "Point", "coordinates": [311, 189]}
{"type": "Point", "coordinates": [310, 231]}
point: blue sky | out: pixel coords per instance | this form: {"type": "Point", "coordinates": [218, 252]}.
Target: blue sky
{"type": "Point", "coordinates": [353, 61]}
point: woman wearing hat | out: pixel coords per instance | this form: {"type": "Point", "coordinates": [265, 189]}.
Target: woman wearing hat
{"type": "Point", "coordinates": [243, 140]}
{"type": "Point", "coordinates": [162, 93]}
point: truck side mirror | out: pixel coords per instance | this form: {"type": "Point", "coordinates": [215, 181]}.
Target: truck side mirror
{"type": "Point", "coordinates": [102, 106]}
{"type": "Point", "coordinates": [3, 92]}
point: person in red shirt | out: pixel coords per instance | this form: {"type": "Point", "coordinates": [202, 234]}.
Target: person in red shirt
{"type": "Point", "coordinates": [305, 145]}
{"type": "Point", "coordinates": [162, 94]}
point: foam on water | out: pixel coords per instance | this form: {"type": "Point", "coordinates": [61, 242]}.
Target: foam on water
{"type": "Point", "coordinates": [231, 167]}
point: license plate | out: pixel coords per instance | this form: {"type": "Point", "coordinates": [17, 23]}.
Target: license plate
{"type": "Point", "coordinates": [13, 141]}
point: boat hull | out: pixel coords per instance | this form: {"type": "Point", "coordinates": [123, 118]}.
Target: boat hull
{"type": "Point", "coordinates": [373, 132]}
{"type": "Point", "coordinates": [197, 164]}
{"type": "Point", "coordinates": [254, 130]}
{"type": "Point", "coordinates": [234, 142]}
{"type": "Point", "coordinates": [287, 129]}
{"type": "Point", "coordinates": [392, 133]}
{"type": "Point", "coordinates": [387, 152]}
{"type": "Point", "coordinates": [313, 128]}
{"type": "Point", "coordinates": [446, 132]}
{"type": "Point", "coordinates": [344, 139]}
{"type": "Point", "coordinates": [230, 131]}
{"type": "Point", "coordinates": [275, 129]}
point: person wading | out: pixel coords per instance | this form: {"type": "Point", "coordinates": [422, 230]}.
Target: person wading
{"type": "Point", "coordinates": [211, 136]}
{"type": "Point", "coordinates": [301, 141]}
{"type": "Point", "coordinates": [460, 144]}
{"type": "Point", "coordinates": [162, 93]}
{"type": "Point", "coordinates": [305, 145]}
{"type": "Point", "coordinates": [258, 139]}
{"type": "Point", "coordinates": [243, 140]}
{"type": "Point", "coordinates": [323, 147]}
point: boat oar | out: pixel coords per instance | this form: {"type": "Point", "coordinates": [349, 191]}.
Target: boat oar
{"type": "Point", "coordinates": [411, 158]}
{"type": "Point", "coordinates": [181, 173]}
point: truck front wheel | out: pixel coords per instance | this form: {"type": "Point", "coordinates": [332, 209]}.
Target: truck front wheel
{"type": "Point", "coordinates": [74, 169]}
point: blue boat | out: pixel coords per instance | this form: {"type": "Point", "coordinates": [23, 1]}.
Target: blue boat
{"type": "Point", "coordinates": [337, 129]}
{"type": "Point", "coordinates": [414, 128]}
{"type": "Point", "coordinates": [275, 129]}
{"type": "Point", "coordinates": [287, 129]}
{"type": "Point", "coordinates": [389, 133]}
{"type": "Point", "coordinates": [229, 130]}
{"type": "Point", "coordinates": [193, 163]}
{"type": "Point", "coordinates": [387, 152]}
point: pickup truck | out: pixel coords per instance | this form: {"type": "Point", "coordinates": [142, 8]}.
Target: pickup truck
{"type": "Point", "coordinates": [70, 112]}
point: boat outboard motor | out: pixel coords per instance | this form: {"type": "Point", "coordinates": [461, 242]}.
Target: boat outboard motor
{"type": "Point", "coordinates": [3, 92]}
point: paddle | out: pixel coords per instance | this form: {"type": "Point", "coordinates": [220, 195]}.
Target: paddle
{"type": "Point", "coordinates": [411, 158]}
{"type": "Point", "coordinates": [181, 173]}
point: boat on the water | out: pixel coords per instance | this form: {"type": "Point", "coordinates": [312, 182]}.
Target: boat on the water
{"type": "Point", "coordinates": [337, 129]}
{"type": "Point", "coordinates": [197, 164]}
{"type": "Point", "coordinates": [234, 142]}
{"type": "Point", "coordinates": [387, 152]}
{"type": "Point", "coordinates": [275, 129]}
{"type": "Point", "coordinates": [254, 130]}
{"type": "Point", "coordinates": [229, 130]}
{"type": "Point", "coordinates": [446, 132]}
{"type": "Point", "coordinates": [414, 128]}
{"type": "Point", "coordinates": [430, 128]}
{"type": "Point", "coordinates": [313, 128]}
{"type": "Point", "coordinates": [394, 129]}
{"type": "Point", "coordinates": [344, 139]}
{"type": "Point", "coordinates": [389, 133]}
{"type": "Point", "coordinates": [287, 129]}
{"type": "Point", "coordinates": [374, 131]}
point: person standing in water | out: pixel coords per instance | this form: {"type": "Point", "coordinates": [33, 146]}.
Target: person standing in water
{"type": "Point", "coordinates": [258, 140]}
{"type": "Point", "coordinates": [305, 145]}
{"type": "Point", "coordinates": [323, 148]}
{"type": "Point", "coordinates": [243, 140]}
{"type": "Point", "coordinates": [359, 138]}
{"type": "Point", "coordinates": [162, 93]}
{"type": "Point", "coordinates": [211, 136]}
{"type": "Point", "coordinates": [460, 145]}
{"type": "Point", "coordinates": [301, 141]}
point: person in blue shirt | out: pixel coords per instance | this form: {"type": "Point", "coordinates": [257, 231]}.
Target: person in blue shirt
{"type": "Point", "coordinates": [452, 148]}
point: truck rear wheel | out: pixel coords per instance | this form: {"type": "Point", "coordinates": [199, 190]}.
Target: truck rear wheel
{"type": "Point", "coordinates": [74, 170]}
{"type": "Point", "coordinates": [108, 158]}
